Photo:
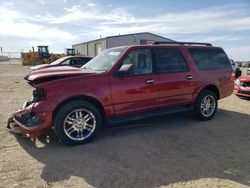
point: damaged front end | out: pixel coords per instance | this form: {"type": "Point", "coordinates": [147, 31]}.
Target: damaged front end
{"type": "Point", "coordinates": [33, 118]}
{"type": "Point", "coordinates": [242, 87]}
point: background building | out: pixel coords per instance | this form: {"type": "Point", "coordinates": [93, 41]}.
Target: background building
{"type": "Point", "coordinates": [94, 47]}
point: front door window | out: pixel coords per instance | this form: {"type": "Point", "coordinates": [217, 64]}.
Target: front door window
{"type": "Point", "coordinates": [141, 61]}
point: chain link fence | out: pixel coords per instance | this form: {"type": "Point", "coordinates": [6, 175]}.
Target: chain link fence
{"type": "Point", "coordinates": [10, 57]}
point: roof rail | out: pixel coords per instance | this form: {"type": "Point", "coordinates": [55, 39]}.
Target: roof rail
{"type": "Point", "coordinates": [183, 43]}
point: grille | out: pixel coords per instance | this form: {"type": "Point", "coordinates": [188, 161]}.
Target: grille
{"type": "Point", "coordinates": [246, 84]}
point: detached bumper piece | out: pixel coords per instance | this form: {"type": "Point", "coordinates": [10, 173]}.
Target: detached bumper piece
{"type": "Point", "coordinates": [25, 123]}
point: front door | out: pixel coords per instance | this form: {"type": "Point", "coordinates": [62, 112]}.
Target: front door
{"type": "Point", "coordinates": [135, 92]}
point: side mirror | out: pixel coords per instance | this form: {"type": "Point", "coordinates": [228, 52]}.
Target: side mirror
{"type": "Point", "coordinates": [127, 69]}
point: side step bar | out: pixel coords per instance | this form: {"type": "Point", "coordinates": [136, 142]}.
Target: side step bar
{"type": "Point", "coordinates": [131, 118]}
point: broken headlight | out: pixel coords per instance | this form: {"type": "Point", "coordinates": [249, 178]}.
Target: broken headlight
{"type": "Point", "coordinates": [39, 94]}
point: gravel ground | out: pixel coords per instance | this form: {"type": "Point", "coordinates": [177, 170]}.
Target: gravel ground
{"type": "Point", "coordinates": [168, 151]}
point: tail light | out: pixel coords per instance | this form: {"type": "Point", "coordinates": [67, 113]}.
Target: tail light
{"type": "Point", "coordinates": [232, 76]}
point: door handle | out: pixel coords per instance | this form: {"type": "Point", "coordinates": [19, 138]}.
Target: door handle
{"type": "Point", "coordinates": [189, 77]}
{"type": "Point", "coordinates": [150, 81]}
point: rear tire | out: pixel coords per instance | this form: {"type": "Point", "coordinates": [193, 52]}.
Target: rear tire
{"type": "Point", "coordinates": [77, 122]}
{"type": "Point", "coordinates": [205, 105]}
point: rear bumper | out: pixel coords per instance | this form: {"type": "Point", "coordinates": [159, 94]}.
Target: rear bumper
{"type": "Point", "coordinates": [30, 123]}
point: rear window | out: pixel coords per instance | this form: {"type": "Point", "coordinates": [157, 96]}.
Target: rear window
{"type": "Point", "coordinates": [210, 59]}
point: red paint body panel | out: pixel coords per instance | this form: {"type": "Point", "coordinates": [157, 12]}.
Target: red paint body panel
{"type": "Point", "coordinates": [132, 94]}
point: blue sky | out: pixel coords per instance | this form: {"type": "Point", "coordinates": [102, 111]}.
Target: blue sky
{"type": "Point", "coordinates": [60, 24]}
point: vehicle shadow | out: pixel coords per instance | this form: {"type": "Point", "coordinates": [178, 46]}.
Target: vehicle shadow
{"type": "Point", "coordinates": [153, 152]}
{"type": "Point", "coordinates": [245, 98]}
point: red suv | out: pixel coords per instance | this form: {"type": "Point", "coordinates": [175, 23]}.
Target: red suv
{"type": "Point", "coordinates": [123, 84]}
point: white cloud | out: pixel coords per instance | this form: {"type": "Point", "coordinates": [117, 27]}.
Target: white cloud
{"type": "Point", "coordinates": [201, 21]}
{"type": "Point", "coordinates": [109, 30]}
{"type": "Point", "coordinates": [8, 14]}
{"type": "Point", "coordinates": [42, 2]}
{"type": "Point", "coordinates": [197, 21]}
{"type": "Point", "coordinates": [91, 4]}
{"type": "Point", "coordinates": [31, 31]}
{"type": "Point", "coordinates": [76, 15]}
{"type": "Point", "coordinates": [73, 8]}
{"type": "Point", "coordinates": [239, 53]}
{"type": "Point", "coordinates": [13, 23]}
{"type": "Point", "coordinates": [214, 38]}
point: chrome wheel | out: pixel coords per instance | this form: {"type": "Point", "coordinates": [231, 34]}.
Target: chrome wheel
{"type": "Point", "coordinates": [79, 124]}
{"type": "Point", "coordinates": [208, 105]}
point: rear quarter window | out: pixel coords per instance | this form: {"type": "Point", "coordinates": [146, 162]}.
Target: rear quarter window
{"type": "Point", "coordinates": [210, 59]}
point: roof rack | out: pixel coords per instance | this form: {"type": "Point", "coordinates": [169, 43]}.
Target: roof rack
{"type": "Point", "coordinates": [183, 43]}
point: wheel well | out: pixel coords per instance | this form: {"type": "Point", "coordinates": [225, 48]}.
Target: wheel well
{"type": "Point", "coordinates": [92, 100]}
{"type": "Point", "coordinates": [214, 89]}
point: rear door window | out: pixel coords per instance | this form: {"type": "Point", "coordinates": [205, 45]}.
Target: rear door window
{"type": "Point", "coordinates": [170, 60]}
{"type": "Point", "coordinates": [210, 59]}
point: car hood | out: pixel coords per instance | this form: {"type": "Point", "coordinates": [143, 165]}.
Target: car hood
{"type": "Point", "coordinates": [37, 67]}
{"type": "Point", "coordinates": [54, 73]}
{"type": "Point", "coordinates": [244, 78]}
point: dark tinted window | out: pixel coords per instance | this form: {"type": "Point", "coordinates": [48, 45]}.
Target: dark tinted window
{"type": "Point", "coordinates": [170, 61]}
{"type": "Point", "coordinates": [79, 61]}
{"type": "Point", "coordinates": [209, 59]}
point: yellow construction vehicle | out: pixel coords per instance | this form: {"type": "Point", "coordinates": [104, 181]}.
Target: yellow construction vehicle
{"type": "Point", "coordinates": [70, 52]}
{"type": "Point", "coordinates": [42, 56]}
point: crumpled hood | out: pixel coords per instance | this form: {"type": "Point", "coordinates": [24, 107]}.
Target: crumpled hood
{"type": "Point", "coordinates": [37, 67]}
{"type": "Point", "coordinates": [54, 73]}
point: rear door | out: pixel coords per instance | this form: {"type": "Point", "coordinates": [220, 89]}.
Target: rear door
{"type": "Point", "coordinates": [175, 85]}
{"type": "Point", "coordinates": [137, 91]}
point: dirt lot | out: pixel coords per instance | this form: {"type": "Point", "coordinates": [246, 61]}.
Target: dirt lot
{"type": "Point", "coordinates": [170, 151]}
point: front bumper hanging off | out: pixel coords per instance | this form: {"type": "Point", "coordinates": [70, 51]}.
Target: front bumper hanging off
{"type": "Point", "coordinates": [28, 122]}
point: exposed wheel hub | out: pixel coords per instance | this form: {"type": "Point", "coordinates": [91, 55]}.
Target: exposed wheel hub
{"type": "Point", "coordinates": [80, 123]}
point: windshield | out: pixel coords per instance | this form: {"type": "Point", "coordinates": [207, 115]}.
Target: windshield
{"type": "Point", "coordinates": [56, 62]}
{"type": "Point", "coordinates": [105, 60]}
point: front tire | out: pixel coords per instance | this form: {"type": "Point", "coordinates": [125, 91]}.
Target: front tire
{"type": "Point", "coordinates": [205, 105]}
{"type": "Point", "coordinates": [77, 122]}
